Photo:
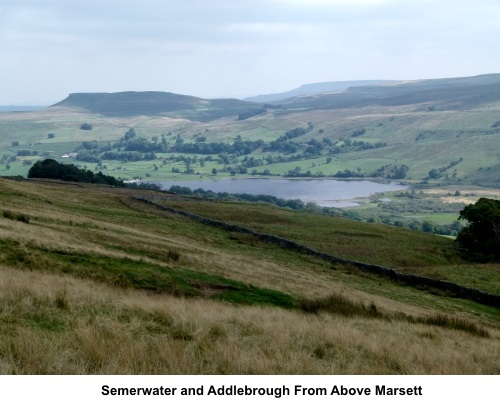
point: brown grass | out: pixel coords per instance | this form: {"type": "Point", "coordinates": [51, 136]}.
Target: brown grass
{"type": "Point", "coordinates": [54, 323]}
{"type": "Point", "coordinates": [104, 330]}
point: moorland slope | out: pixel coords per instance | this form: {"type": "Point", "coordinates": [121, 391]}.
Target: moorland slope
{"type": "Point", "coordinates": [314, 88]}
{"type": "Point", "coordinates": [94, 281]}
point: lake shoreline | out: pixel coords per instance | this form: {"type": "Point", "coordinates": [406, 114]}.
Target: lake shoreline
{"type": "Point", "coordinates": [323, 192]}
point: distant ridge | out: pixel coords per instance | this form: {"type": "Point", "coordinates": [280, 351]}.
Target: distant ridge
{"type": "Point", "coordinates": [315, 88]}
{"type": "Point", "coordinates": [132, 103]}
{"type": "Point", "coordinates": [449, 93]}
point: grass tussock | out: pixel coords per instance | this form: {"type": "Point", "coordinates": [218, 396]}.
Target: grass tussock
{"type": "Point", "coordinates": [341, 305]}
{"type": "Point", "coordinates": [16, 217]}
{"type": "Point", "coordinates": [449, 322]}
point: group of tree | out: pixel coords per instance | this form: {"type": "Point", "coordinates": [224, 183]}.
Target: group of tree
{"type": "Point", "coordinates": [437, 173]}
{"type": "Point", "coordinates": [388, 171]}
{"type": "Point", "coordinates": [283, 143]}
{"type": "Point", "coordinates": [358, 132]}
{"type": "Point", "coordinates": [251, 113]}
{"type": "Point", "coordinates": [132, 147]}
{"type": "Point", "coordinates": [294, 204]}
{"type": "Point", "coordinates": [27, 152]}
{"type": "Point", "coordinates": [51, 169]}
{"type": "Point", "coordinates": [238, 148]}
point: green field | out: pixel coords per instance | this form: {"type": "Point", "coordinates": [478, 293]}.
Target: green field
{"type": "Point", "coordinates": [444, 134]}
{"type": "Point", "coordinates": [421, 139]}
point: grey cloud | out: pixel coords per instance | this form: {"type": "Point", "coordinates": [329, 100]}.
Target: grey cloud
{"type": "Point", "coordinates": [206, 47]}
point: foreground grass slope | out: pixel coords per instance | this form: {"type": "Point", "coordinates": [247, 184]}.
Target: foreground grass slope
{"type": "Point", "coordinates": [95, 282]}
{"type": "Point", "coordinates": [59, 324]}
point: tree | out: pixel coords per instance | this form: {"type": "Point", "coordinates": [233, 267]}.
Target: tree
{"type": "Point", "coordinates": [481, 238]}
{"type": "Point", "coordinates": [434, 174]}
{"type": "Point", "coordinates": [129, 134]}
{"type": "Point", "coordinates": [86, 127]}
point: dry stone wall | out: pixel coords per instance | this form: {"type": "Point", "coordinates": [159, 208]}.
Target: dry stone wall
{"type": "Point", "coordinates": [415, 280]}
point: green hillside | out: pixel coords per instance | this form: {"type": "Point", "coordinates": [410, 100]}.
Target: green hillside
{"type": "Point", "coordinates": [95, 281]}
{"type": "Point", "coordinates": [441, 137]}
{"type": "Point", "coordinates": [447, 126]}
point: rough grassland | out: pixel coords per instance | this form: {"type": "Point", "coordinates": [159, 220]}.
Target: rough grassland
{"type": "Point", "coordinates": [92, 281]}
{"type": "Point", "coordinates": [408, 251]}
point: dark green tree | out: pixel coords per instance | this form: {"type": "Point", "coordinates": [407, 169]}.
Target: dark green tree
{"type": "Point", "coordinates": [480, 240]}
{"type": "Point", "coordinates": [51, 169]}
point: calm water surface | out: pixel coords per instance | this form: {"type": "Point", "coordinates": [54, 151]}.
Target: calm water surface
{"type": "Point", "coordinates": [325, 192]}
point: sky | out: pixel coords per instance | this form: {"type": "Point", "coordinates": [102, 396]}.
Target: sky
{"type": "Point", "coordinates": [236, 48]}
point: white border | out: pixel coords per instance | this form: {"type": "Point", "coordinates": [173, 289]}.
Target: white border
{"type": "Point", "coordinates": [87, 390]}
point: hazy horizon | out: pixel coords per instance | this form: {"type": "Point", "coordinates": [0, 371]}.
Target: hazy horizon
{"type": "Point", "coordinates": [47, 104]}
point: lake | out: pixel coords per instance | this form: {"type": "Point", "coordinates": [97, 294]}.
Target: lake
{"type": "Point", "coordinates": [324, 192]}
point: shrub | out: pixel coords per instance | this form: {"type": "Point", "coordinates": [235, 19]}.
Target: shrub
{"type": "Point", "coordinates": [16, 217]}
{"type": "Point", "coordinates": [453, 323]}
{"type": "Point", "coordinates": [23, 218]}
{"type": "Point", "coordinates": [173, 255]}
{"type": "Point", "coordinates": [9, 215]}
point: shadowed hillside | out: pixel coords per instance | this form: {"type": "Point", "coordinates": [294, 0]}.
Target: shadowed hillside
{"type": "Point", "coordinates": [455, 93]}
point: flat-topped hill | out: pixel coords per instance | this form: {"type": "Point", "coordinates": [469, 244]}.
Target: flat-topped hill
{"type": "Point", "coordinates": [131, 103]}
{"type": "Point", "coordinates": [450, 93]}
